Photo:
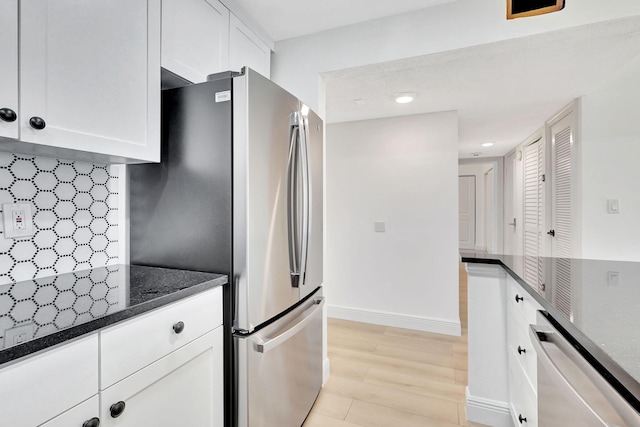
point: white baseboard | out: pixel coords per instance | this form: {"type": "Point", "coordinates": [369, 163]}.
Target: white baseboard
{"type": "Point", "coordinates": [418, 323]}
{"type": "Point", "coordinates": [487, 411]}
{"type": "Point", "coordinates": [326, 370]}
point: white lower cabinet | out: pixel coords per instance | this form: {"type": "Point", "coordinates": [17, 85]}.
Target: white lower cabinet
{"type": "Point", "coordinates": [82, 415]}
{"type": "Point", "coordinates": [171, 375]}
{"type": "Point", "coordinates": [183, 388]}
{"type": "Point", "coordinates": [43, 386]}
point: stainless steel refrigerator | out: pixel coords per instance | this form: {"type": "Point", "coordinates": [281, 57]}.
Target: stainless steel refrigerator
{"type": "Point", "coordinates": [239, 191]}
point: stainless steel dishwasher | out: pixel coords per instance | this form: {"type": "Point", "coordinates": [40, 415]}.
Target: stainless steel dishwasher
{"type": "Point", "coordinates": [570, 391]}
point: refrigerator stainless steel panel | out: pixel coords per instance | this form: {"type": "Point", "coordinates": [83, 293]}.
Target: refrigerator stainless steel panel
{"type": "Point", "coordinates": [280, 368]}
{"type": "Point", "coordinates": [268, 159]}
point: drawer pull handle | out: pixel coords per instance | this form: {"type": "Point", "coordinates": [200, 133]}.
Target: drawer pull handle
{"type": "Point", "coordinates": [519, 298]}
{"type": "Point", "coordinates": [8, 115]}
{"type": "Point", "coordinates": [37, 123]}
{"type": "Point", "coordinates": [521, 419]}
{"type": "Point", "coordinates": [178, 327]}
{"type": "Point", "coordinates": [521, 350]}
{"type": "Point", "coordinates": [117, 409]}
{"type": "Point", "coordinates": [93, 422]}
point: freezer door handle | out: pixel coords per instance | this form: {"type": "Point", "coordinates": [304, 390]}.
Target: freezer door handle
{"type": "Point", "coordinates": [292, 331]}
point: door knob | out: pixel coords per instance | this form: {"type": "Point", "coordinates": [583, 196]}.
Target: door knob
{"type": "Point", "coordinates": [8, 115]}
{"type": "Point", "coordinates": [521, 419]}
{"type": "Point", "coordinates": [37, 123]}
{"type": "Point", "coordinates": [117, 409]}
{"type": "Point", "coordinates": [521, 350]}
{"type": "Point", "coordinates": [519, 298]}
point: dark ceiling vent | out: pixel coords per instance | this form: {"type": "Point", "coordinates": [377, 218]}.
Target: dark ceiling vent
{"type": "Point", "coordinates": [524, 8]}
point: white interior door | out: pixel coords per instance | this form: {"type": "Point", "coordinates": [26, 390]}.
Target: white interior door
{"type": "Point", "coordinates": [467, 211]}
{"type": "Point", "coordinates": [510, 218]}
{"type": "Point", "coordinates": [562, 209]}
{"type": "Point", "coordinates": [533, 220]}
{"type": "Point", "coordinates": [489, 209]}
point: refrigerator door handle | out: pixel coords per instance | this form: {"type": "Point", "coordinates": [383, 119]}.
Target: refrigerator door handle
{"type": "Point", "coordinates": [291, 332]}
{"type": "Point", "coordinates": [306, 197]}
{"type": "Point", "coordinates": [292, 199]}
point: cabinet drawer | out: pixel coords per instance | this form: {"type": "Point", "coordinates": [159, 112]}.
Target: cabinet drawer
{"type": "Point", "coordinates": [524, 402]}
{"type": "Point", "coordinates": [77, 415]}
{"type": "Point", "coordinates": [184, 388]}
{"type": "Point", "coordinates": [525, 305]}
{"type": "Point", "coordinates": [518, 337]}
{"type": "Point", "coordinates": [128, 347]}
{"type": "Point", "coordinates": [45, 385]}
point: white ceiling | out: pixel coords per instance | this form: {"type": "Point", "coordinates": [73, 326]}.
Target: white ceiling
{"type": "Point", "coordinates": [502, 91]}
{"type": "Point", "coordinates": [284, 19]}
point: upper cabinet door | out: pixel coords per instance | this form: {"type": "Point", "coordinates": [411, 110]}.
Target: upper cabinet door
{"type": "Point", "coordinates": [9, 69]}
{"type": "Point", "coordinates": [195, 37]}
{"type": "Point", "coordinates": [90, 76]}
{"type": "Point", "coordinates": [247, 49]}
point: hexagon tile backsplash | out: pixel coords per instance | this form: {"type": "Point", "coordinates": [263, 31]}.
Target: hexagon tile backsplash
{"type": "Point", "coordinates": [75, 216]}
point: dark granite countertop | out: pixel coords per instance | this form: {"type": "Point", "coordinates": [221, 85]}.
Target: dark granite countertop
{"type": "Point", "coordinates": [40, 313]}
{"type": "Point", "coordinates": [594, 303]}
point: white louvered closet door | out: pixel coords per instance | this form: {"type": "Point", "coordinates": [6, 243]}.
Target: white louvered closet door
{"type": "Point", "coordinates": [562, 210]}
{"type": "Point", "coordinates": [533, 182]}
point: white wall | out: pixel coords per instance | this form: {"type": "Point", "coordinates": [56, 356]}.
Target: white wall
{"type": "Point", "coordinates": [402, 171]}
{"type": "Point", "coordinates": [610, 144]}
{"type": "Point", "coordinates": [478, 170]}
{"type": "Point", "coordinates": [297, 62]}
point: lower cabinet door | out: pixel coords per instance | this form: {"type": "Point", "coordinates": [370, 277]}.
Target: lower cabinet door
{"type": "Point", "coordinates": [184, 388]}
{"type": "Point", "coordinates": [84, 414]}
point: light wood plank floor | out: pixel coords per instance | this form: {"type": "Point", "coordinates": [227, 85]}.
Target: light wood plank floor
{"type": "Point", "coordinates": [391, 377]}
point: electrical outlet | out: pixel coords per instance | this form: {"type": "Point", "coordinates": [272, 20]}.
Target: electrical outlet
{"type": "Point", "coordinates": [19, 334]}
{"type": "Point", "coordinates": [17, 220]}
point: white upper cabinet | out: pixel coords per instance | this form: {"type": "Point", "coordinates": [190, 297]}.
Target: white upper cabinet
{"type": "Point", "coordinates": [9, 69]}
{"type": "Point", "coordinates": [195, 38]}
{"type": "Point", "coordinates": [90, 78]}
{"type": "Point", "coordinates": [247, 49]}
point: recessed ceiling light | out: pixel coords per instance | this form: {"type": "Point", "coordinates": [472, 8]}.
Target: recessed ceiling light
{"type": "Point", "coordinates": [404, 97]}
{"type": "Point", "coordinates": [487, 144]}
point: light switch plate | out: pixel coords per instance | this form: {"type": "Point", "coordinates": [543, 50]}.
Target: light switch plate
{"type": "Point", "coordinates": [613, 206]}
{"type": "Point", "coordinates": [12, 230]}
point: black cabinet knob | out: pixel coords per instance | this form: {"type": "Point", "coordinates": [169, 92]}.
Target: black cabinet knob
{"type": "Point", "coordinates": [552, 233]}
{"type": "Point", "coordinates": [117, 409]}
{"type": "Point", "coordinates": [93, 422]}
{"type": "Point", "coordinates": [178, 327]}
{"type": "Point", "coordinates": [521, 350]}
{"type": "Point", "coordinates": [521, 419]}
{"type": "Point", "coordinates": [519, 298]}
{"type": "Point", "coordinates": [8, 115]}
{"type": "Point", "coordinates": [37, 123]}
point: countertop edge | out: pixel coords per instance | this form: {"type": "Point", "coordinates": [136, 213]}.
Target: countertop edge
{"type": "Point", "coordinates": [19, 352]}
{"type": "Point", "coordinates": [614, 374]}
